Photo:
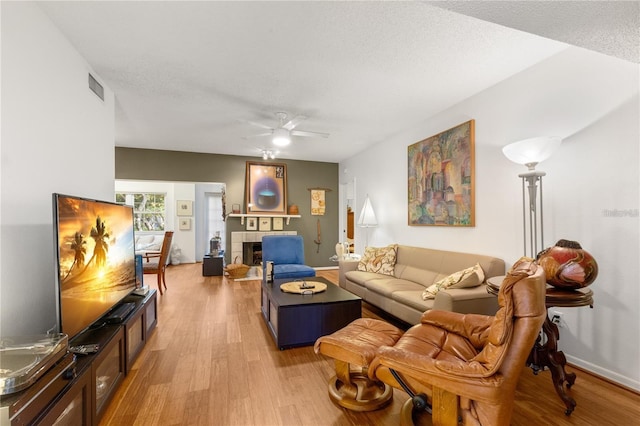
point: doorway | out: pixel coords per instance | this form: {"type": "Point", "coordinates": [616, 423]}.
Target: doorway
{"type": "Point", "coordinates": [347, 217]}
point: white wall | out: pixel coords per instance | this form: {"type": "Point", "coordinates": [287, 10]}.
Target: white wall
{"type": "Point", "coordinates": [185, 239]}
{"type": "Point", "coordinates": [56, 136]}
{"type": "Point", "coordinates": [590, 100]}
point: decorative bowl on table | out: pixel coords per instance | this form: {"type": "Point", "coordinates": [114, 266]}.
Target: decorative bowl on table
{"type": "Point", "coordinates": [568, 266]}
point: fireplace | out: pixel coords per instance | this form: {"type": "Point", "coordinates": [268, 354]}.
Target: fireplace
{"type": "Point", "coordinates": [252, 253]}
{"type": "Point", "coordinates": [239, 238]}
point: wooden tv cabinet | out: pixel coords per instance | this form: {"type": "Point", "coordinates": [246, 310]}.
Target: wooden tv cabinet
{"type": "Point", "coordinates": [84, 399]}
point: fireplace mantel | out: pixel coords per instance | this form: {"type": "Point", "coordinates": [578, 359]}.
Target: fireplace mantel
{"type": "Point", "coordinates": [285, 216]}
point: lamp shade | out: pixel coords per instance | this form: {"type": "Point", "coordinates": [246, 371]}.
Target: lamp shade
{"type": "Point", "coordinates": [281, 137]}
{"type": "Point", "coordinates": [532, 151]}
{"type": "Point", "coordinates": [367, 217]}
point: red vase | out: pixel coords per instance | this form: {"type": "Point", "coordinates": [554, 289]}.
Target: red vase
{"type": "Point", "coordinates": [567, 266]}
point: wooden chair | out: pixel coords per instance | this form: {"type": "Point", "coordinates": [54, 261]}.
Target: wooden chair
{"type": "Point", "coordinates": [159, 263]}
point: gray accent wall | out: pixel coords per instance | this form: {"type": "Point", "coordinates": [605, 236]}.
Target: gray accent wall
{"type": "Point", "coordinates": [177, 166]}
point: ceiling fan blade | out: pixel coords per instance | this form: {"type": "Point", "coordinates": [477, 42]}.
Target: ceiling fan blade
{"type": "Point", "coordinates": [310, 134]}
{"type": "Point", "coordinates": [253, 123]}
{"type": "Point", "coordinates": [291, 124]}
{"type": "Point", "coordinates": [259, 135]}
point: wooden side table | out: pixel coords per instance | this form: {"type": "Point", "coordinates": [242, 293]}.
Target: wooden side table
{"type": "Point", "coordinates": [546, 354]}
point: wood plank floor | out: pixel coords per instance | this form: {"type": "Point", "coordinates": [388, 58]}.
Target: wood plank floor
{"type": "Point", "coordinates": [212, 361]}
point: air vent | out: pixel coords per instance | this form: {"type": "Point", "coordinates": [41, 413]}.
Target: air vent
{"type": "Point", "coordinates": [96, 87]}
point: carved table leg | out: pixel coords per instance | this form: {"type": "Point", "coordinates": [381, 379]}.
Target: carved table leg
{"type": "Point", "coordinates": [547, 355]}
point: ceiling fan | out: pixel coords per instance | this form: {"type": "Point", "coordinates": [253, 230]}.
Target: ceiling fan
{"type": "Point", "coordinates": [282, 134]}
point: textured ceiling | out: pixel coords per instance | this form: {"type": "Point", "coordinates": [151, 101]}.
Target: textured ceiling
{"type": "Point", "coordinates": [186, 74]}
{"type": "Point", "coordinates": [609, 27]}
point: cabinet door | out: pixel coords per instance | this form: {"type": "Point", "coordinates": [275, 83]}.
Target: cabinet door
{"type": "Point", "coordinates": [74, 408]}
{"type": "Point", "coordinates": [108, 372]}
{"type": "Point", "coordinates": [134, 337]}
{"type": "Point", "coordinates": [151, 315]}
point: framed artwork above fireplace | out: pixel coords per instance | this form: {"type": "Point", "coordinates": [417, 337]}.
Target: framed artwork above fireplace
{"type": "Point", "coordinates": [266, 188]}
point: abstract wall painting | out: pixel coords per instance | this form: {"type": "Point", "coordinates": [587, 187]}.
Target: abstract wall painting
{"type": "Point", "coordinates": [441, 178]}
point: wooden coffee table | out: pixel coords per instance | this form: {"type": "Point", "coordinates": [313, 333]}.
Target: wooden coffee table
{"type": "Point", "coordinates": [299, 319]}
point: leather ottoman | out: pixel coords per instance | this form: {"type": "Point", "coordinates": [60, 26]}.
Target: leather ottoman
{"type": "Point", "coordinates": [356, 344]}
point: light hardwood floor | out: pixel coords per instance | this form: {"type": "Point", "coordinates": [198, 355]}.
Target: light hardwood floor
{"type": "Point", "coordinates": [212, 361]}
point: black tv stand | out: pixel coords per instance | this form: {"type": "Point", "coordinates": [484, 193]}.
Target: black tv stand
{"type": "Point", "coordinates": [120, 313]}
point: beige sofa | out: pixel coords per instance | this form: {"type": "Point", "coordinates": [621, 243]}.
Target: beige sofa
{"type": "Point", "coordinates": [416, 269]}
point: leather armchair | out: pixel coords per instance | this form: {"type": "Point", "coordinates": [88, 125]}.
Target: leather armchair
{"type": "Point", "coordinates": [468, 365]}
{"type": "Point", "coordinates": [287, 254]}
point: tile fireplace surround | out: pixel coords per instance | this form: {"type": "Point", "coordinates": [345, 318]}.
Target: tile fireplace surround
{"type": "Point", "coordinates": [237, 238]}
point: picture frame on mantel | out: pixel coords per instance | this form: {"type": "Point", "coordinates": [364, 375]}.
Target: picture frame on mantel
{"type": "Point", "coordinates": [266, 188]}
{"type": "Point", "coordinates": [264, 224]}
{"type": "Point", "coordinates": [278, 224]}
{"type": "Point", "coordinates": [252, 224]}
{"type": "Point", "coordinates": [441, 178]}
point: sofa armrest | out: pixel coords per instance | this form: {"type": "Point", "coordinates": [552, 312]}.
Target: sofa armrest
{"type": "Point", "coordinates": [345, 265]}
{"type": "Point", "coordinates": [475, 300]}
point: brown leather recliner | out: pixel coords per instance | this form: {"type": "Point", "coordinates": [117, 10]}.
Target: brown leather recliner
{"type": "Point", "coordinates": [468, 365]}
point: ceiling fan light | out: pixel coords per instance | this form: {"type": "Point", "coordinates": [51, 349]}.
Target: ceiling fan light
{"type": "Point", "coordinates": [267, 154]}
{"type": "Point", "coordinates": [281, 137]}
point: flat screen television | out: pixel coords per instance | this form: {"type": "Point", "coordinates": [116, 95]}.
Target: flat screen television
{"type": "Point", "coordinates": [95, 259]}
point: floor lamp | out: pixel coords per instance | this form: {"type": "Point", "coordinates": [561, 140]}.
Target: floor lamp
{"type": "Point", "coordinates": [367, 219]}
{"type": "Point", "coordinates": [530, 152]}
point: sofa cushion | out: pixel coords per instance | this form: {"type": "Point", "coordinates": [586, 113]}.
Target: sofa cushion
{"type": "Point", "coordinates": [293, 271]}
{"type": "Point", "coordinates": [469, 277]}
{"type": "Point", "coordinates": [413, 298]}
{"type": "Point", "coordinates": [388, 285]}
{"type": "Point", "coordinates": [381, 260]}
{"type": "Point", "coordinates": [360, 277]}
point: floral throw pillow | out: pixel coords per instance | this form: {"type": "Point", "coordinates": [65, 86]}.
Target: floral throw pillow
{"type": "Point", "coordinates": [470, 277]}
{"type": "Point", "coordinates": [381, 260]}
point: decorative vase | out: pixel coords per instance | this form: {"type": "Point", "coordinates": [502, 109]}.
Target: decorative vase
{"type": "Point", "coordinates": [339, 250]}
{"type": "Point", "coordinates": [567, 266]}
{"type": "Point", "coordinates": [293, 209]}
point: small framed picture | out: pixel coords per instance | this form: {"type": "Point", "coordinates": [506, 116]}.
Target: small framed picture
{"type": "Point", "coordinates": [184, 208]}
{"type": "Point", "coordinates": [185, 224]}
{"type": "Point", "coordinates": [278, 224]}
{"type": "Point", "coordinates": [265, 224]}
{"type": "Point", "coordinates": [252, 224]}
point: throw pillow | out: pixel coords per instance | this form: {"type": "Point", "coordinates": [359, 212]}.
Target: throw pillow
{"type": "Point", "coordinates": [381, 260]}
{"type": "Point", "coordinates": [470, 277]}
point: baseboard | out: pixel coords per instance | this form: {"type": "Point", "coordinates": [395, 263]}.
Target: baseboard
{"type": "Point", "coordinates": [604, 374]}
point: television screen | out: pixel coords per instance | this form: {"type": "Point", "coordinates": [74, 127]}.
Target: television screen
{"type": "Point", "coordinates": [95, 259]}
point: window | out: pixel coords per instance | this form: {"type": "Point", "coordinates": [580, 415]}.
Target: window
{"type": "Point", "coordinates": [148, 209]}
{"type": "Point", "coordinates": [214, 217]}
